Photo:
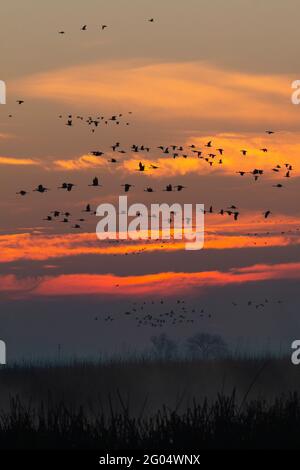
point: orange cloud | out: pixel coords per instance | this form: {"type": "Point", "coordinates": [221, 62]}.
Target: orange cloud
{"type": "Point", "coordinates": [17, 161]}
{"type": "Point", "coordinates": [81, 163]}
{"type": "Point", "coordinates": [220, 235]}
{"type": "Point", "coordinates": [169, 91]}
{"type": "Point", "coordinates": [164, 283]}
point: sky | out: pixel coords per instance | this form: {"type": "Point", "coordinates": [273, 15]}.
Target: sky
{"type": "Point", "coordinates": [201, 71]}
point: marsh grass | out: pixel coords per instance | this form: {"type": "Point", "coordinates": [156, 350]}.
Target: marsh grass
{"type": "Point", "coordinates": [144, 404]}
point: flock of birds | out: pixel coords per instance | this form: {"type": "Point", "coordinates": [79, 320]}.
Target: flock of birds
{"type": "Point", "coordinates": [176, 151]}
{"type": "Point", "coordinates": [55, 214]}
{"type": "Point", "coordinates": [209, 154]}
{"type": "Point", "coordinates": [158, 313]}
{"type": "Point", "coordinates": [161, 313]}
{"type": "Point", "coordinates": [95, 122]}
{"type": "Point", "coordinates": [212, 156]}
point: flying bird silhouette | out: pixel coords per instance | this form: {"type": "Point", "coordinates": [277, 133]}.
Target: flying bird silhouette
{"type": "Point", "coordinates": [41, 189]}
{"type": "Point", "coordinates": [95, 182]}
{"type": "Point", "coordinates": [141, 167]}
{"type": "Point", "coordinates": [127, 187]}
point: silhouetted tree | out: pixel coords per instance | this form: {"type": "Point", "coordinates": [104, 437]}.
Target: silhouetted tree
{"type": "Point", "coordinates": [206, 346]}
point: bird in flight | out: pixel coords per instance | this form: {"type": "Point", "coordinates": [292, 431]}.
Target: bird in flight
{"type": "Point", "coordinates": [88, 208]}
{"type": "Point", "coordinates": [70, 186]}
{"type": "Point", "coordinates": [95, 182]}
{"type": "Point", "coordinates": [127, 187]}
{"type": "Point", "coordinates": [22, 192]}
{"type": "Point", "coordinates": [41, 189]}
{"type": "Point", "coordinates": [266, 214]}
{"type": "Point", "coordinates": [84, 27]}
{"type": "Point", "coordinates": [141, 167]}
{"type": "Point", "coordinates": [103, 27]}
{"type": "Point", "coordinates": [20, 101]}
{"type": "Point", "coordinates": [67, 186]}
{"type": "Point", "coordinates": [96, 153]}
{"type": "Point", "coordinates": [179, 187]}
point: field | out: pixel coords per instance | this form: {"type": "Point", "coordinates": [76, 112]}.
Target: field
{"type": "Point", "coordinates": [146, 404]}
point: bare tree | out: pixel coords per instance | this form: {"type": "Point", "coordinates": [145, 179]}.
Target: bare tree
{"type": "Point", "coordinates": [163, 347]}
{"type": "Point", "coordinates": [206, 346]}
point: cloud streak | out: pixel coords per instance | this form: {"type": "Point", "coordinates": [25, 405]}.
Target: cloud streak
{"type": "Point", "coordinates": [168, 90]}
{"type": "Point", "coordinates": [18, 161]}
{"type": "Point", "coordinates": [163, 283]}
{"type": "Point", "coordinates": [40, 247]}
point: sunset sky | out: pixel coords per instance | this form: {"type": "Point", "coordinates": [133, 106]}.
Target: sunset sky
{"type": "Point", "coordinates": [202, 71]}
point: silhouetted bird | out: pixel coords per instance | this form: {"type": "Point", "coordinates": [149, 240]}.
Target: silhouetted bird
{"type": "Point", "coordinates": [96, 153]}
{"type": "Point", "coordinates": [88, 208]}
{"type": "Point", "coordinates": [95, 182]}
{"type": "Point", "coordinates": [127, 187]}
{"type": "Point", "coordinates": [41, 189]}
{"type": "Point", "coordinates": [179, 187]}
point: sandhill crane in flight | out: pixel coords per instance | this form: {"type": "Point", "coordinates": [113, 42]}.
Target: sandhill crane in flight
{"type": "Point", "coordinates": [141, 167]}
{"type": "Point", "coordinates": [41, 189]}
{"type": "Point", "coordinates": [127, 187]}
{"type": "Point", "coordinates": [95, 182]}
